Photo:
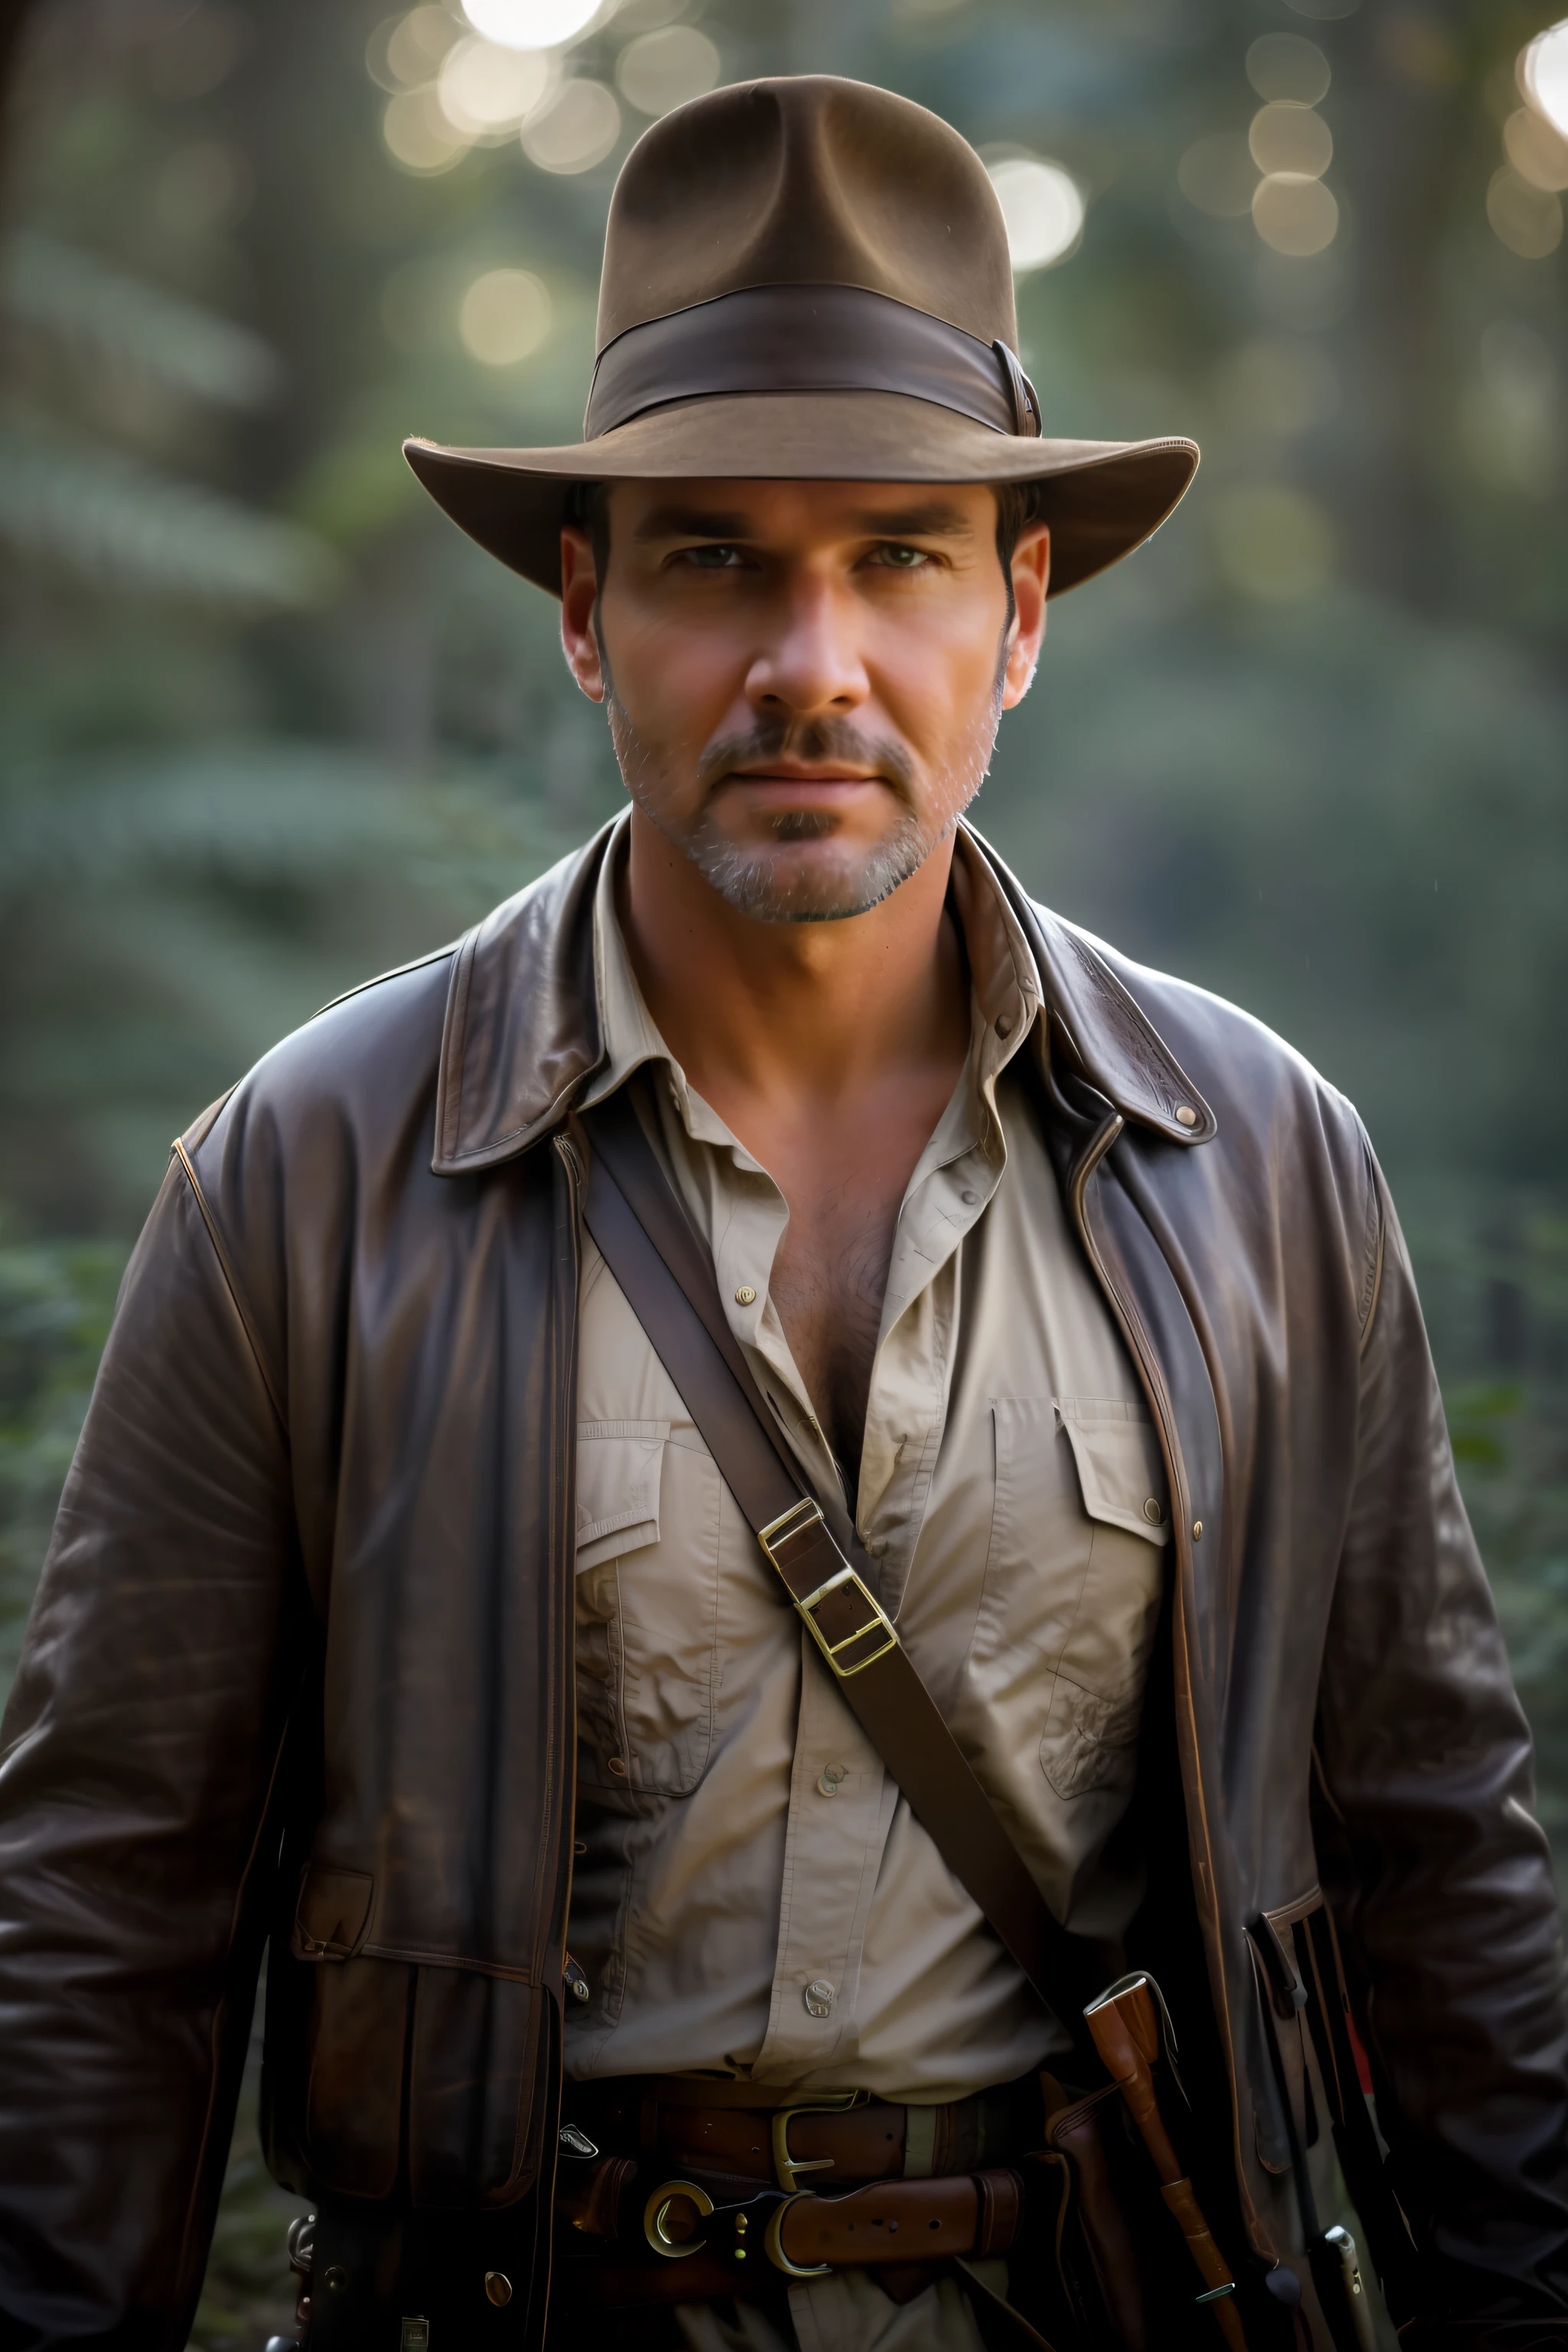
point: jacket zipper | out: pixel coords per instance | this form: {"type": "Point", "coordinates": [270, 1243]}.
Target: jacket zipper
{"type": "Point", "coordinates": [1087, 1166]}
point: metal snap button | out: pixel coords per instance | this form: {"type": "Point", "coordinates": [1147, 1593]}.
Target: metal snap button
{"type": "Point", "coordinates": [1197, 1530]}
{"type": "Point", "coordinates": [1186, 1115]}
{"type": "Point", "coordinates": [619, 1767]}
{"type": "Point", "coordinates": [818, 1998]}
{"type": "Point", "coordinates": [498, 2286]}
{"type": "Point", "coordinates": [335, 2278]}
{"type": "Point", "coordinates": [1153, 1511]}
{"type": "Point", "coordinates": [745, 1295]}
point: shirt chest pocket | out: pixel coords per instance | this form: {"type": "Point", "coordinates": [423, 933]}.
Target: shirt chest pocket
{"type": "Point", "coordinates": [648, 1606]}
{"type": "Point", "coordinates": [1074, 1579]}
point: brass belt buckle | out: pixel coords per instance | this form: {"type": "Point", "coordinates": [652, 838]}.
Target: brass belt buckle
{"type": "Point", "coordinates": [773, 2242]}
{"type": "Point", "coordinates": [829, 2103]}
{"type": "Point", "coordinates": [800, 1517]}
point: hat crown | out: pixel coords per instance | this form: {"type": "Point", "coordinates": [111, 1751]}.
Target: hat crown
{"type": "Point", "coordinates": [806, 180]}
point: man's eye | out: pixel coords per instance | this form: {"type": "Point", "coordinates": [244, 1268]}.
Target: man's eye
{"type": "Point", "coordinates": [711, 559]}
{"type": "Point", "coordinates": [899, 559]}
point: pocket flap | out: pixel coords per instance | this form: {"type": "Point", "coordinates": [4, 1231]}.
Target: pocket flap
{"type": "Point", "coordinates": [619, 1465]}
{"type": "Point", "coordinates": [1120, 1469]}
{"type": "Point", "coordinates": [332, 1912]}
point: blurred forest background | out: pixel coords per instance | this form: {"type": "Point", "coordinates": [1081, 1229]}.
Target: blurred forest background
{"type": "Point", "coordinates": [267, 724]}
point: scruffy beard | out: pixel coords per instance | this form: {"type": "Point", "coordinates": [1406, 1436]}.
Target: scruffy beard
{"type": "Point", "coordinates": [762, 880]}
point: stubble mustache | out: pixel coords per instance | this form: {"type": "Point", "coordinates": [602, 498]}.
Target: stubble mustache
{"type": "Point", "coordinates": [819, 741]}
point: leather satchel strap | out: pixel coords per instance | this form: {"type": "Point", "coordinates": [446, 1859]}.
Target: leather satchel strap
{"type": "Point", "coordinates": [647, 1242]}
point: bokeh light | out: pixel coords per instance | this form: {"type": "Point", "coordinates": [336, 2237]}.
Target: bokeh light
{"type": "Point", "coordinates": [487, 91]}
{"type": "Point", "coordinates": [505, 317]}
{"type": "Point", "coordinates": [1042, 208]}
{"type": "Point", "coordinates": [1292, 139]}
{"type": "Point", "coordinates": [1543, 74]}
{"type": "Point", "coordinates": [1538, 153]}
{"type": "Point", "coordinates": [414, 45]}
{"type": "Point", "coordinates": [419, 134]}
{"type": "Point", "coordinates": [1295, 213]}
{"type": "Point", "coordinates": [575, 131]}
{"type": "Point", "coordinates": [1288, 69]}
{"type": "Point", "coordinates": [665, 68]}
{"type": "Point", "coordinates": [530, 24]}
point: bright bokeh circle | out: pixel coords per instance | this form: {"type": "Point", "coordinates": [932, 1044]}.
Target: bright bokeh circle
{"type": "Point", "coordinates": [1543, 74]}
{"type": "Point", "coordinates": [530, 24]}
{"type": "Point", "coordinates": [505, 317]}
{"type": "Point", "coordinates": [1042, 208]}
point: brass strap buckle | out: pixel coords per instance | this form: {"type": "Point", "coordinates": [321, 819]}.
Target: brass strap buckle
{"type": "Point", "coordinates": [655, 2218]}
{"type": "Point", "coordinates": [830, 2103]}
{"type": "Point", "coordinates": [801, 1517]}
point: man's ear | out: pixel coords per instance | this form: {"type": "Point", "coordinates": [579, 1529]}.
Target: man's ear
{"type": "Point", "coordinates": [579, 595]}
{"type": "Point", "coordinates": [1031, 579]}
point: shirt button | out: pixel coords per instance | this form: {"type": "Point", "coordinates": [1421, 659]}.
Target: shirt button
{"type": "Point", "coordinates": [969, 1199]}
{"type": "Point", "coordinates": [1004, 1025]}
{"type": "Point", "coordinates": [831, 1776]}
{"type": "Point", "coordinates": [1153, 1511]}
{"type": "Point", "coordinates": [745, 1295]}
{"type": "Point", "coordinates": [818, 1998]}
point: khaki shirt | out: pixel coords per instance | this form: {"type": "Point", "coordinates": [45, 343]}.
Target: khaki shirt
{"type": "Point", "coordinates": [752, 1892]}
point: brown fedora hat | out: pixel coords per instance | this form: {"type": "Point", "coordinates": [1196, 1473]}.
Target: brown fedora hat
{"type": "Point", "coordinates": [808, 279]}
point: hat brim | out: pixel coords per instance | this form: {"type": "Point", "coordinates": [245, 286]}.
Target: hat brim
{"type": "Point", "coordinates": [1102, 499]}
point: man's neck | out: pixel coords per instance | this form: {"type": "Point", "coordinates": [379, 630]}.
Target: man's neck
{"type": "Point", "coordinates": [801, 1018]}
{"type": "Point", "coordinates": [830, 1050]}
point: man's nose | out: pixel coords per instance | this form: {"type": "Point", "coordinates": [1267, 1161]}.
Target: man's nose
{"type": "Point", "coordinates": [809, 661]}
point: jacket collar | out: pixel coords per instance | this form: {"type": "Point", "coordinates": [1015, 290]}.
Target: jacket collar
{"type": "Point", "coordinates": [522, 1030]}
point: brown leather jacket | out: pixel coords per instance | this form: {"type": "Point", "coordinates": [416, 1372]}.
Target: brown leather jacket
{"type": "Point", "coordinates": [301, 1664]}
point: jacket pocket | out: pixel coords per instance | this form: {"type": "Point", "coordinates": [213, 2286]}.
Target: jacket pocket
{"type": "Point", "coordinates": [332, 1912]}
{"type": "Point", "coordinates": [356, 2036]}
{"type": "Point", "coordinates": [474, 2103]}
{"type": "Point", "coordinates": [648, 1606]}
{"type": "Point", "coordinates": [1287, 2073]}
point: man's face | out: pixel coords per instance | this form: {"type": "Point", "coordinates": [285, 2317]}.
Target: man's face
{"type": "Point", "coordinates": [804, 678]}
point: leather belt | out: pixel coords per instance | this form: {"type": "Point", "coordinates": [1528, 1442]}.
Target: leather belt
{"type": "Point", "coordinates": [689, 2246]}
{"type": "Point", "coordinates": [731, 2133]}
{"type": "Point", "coordinates": [728, 2187]}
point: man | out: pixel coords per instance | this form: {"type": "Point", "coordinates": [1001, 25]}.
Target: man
{"type": "Point", "coordinates": [400, 1610]}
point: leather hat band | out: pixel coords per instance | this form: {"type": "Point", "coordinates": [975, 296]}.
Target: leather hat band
{"type": "Point", "coordinates": [783, 339]}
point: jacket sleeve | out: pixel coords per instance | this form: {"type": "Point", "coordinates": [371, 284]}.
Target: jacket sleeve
{"type": "Point", "coordinates": [136, 1758]}
{"type": "Point", "coordinates": [1445, 1906]}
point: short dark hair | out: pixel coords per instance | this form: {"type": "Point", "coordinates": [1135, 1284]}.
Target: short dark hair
{"type": "Point", "coordinates": [1017, 506]}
